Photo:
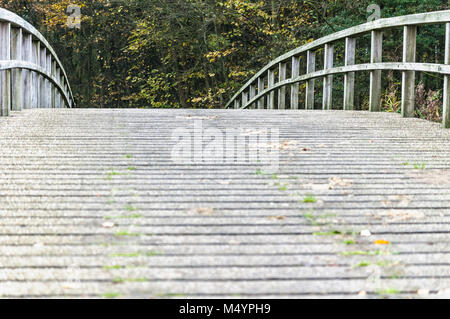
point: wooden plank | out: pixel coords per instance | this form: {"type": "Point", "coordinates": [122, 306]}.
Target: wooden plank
{"type": "Point", "coordinates": [271, 83]}
{"type": "Point", "coordinates": [376, 56]}
{"type": "Point", "coordinates": [27, 55]}
{"type": "Point", "coordinates": [5, 76]}
{"type": "Point", "coordinates": [310, 68]}
{"type": "Point", "coordinates": [409, 77]}
{"type": "Point", "coordinates": [349, 78]}
{"type": "Point", "coordinates": [16, 75]}
{"type": "Point", "coordinates": [295, 72]}
{"type": "Point", "coordinates": [446, 98]}
{"type": "Point", "coordinates": [328, 80]}
{"type": "Point", "coordinates": [282, 90]}
{"type": "Point", "coordinates": [261, 100]}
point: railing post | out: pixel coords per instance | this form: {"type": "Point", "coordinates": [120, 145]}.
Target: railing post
{"type": "Point", "coordinates": [295, 87]}
{"type": "Point", "coordinates": [5, 76]}
{"type": "Point", "coordinates": [328, 80]}
{"type": "Point", "coordinates": [310, 68]}
{"type": "Point", "coordinates": [282, 90]}
{"type": "Point", "coordinates": [48, 83]}
{"type": "Point", "coordinates": [252, 94]}
{"type": "Point", "coordinates": [446, 113]}
{"type": "Point", "coordinates": [271, 83]}
{"type": "Point", "coordinates": [16, 75]}
{"type": "Point", "coordinates": [236, 104]}
{"type": "Point", "coordinates": [42, 86]}
{"type": "Point", "coordinates": [52, 85]}
{"type": "Point", "coordinates": [244, 98]}
{"type": "Point", "coordinates": [409, 77]}
{"type": "Point", "coordinates": [349, 77]}
{"type": "Point", "coordinates": [260, 89]}
{"type": "Point", "coordinates": [35, 78]}
{"type": "Point", "coordinates": [27, 84]}
{"type": "Point", "coordinates": [376, 56]}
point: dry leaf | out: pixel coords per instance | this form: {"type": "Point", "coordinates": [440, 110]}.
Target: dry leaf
{"type": "Point", "coordinates": [108, 225]}
{"type": "Point", "coordinates": [203, 210]}
{"type": "Point", "coordinates": [381, 242]}
{"type": "Point", "coordinates": [336, 181]}
{"type": "Point", "coordinates": [365, 233]}
{"type": "Point", "coordinates": [277, 217]}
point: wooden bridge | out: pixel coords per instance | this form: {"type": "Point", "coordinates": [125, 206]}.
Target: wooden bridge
{"type": "Point", "coordinates": [94, 204]}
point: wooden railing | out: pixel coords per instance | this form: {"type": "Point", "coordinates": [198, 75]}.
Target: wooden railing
{"type": "Point", "coordinates": [31, 75]}
{"type": "Point", "coordinates": [259, 92]}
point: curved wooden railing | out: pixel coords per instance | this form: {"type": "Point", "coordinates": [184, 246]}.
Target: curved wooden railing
{"type": "Point", "coordinates": [31, 75]}
{"type": "Point", "coordinates": [259, 92]}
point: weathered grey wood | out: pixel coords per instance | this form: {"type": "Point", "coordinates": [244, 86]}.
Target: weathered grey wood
{"type": "Point", "coordinates": [376, 56]}
{"type": "Point", "coordinates": [27, 48]}
{"type": "Point", "coordinates": [271, 83]}
{"type": "Point", "coordinates": [328, 80]}
{"type": "Point", "coordinates": [261, 89]}
{"type": "Point", "coordinates": [5, 76]}
{"type": "Point", "coordinates": [396, 66]}
{"type": "Point", "coordinates": [446, 94]}
{"type": "Point", "coordinates": [349, 78]}
{"type": "Point", "coordinates": [35, 77]}
{"type": "Point", "coordinates": [409, 77]}
{"type": "Point", "coordinates": [53, 88]}
{"type": "Point", "coordinates": [236, 104]}
{"type": "Point", "coordinates": [252, 94]}
{"type": "Point", "coordinates": [18, 22]}
{"type": "Point", "coordinates": [282, 90]}
{"type": "Point", "coordinates": [310, 68]}
{"type": "Point", "coordinates": [244, 98]}
{"type": "Point", "coordinates": [42, 80]}
{"type": "Point", "coordinates": [414, 19]}
{"type": "Point", "coordinates": [295, 72]}
{"type": "Point", "coordinates": [47, 82]}
{"type": "Point", "coordinates": [16, 75]}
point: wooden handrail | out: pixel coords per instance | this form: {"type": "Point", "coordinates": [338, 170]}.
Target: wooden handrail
{"type": "Point", "coordinates": [31, 74]}
{"type": "Point", "coordinates": [257, 89]}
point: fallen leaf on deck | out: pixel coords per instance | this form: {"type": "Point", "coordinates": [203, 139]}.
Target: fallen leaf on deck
{"type": "Point", "coordinates": [277, 217]}
{"type": "Point", "coordinates": [365, 233]}
{"type": "Point", "coordinates": [423, 292]}
{"type": "Point", "coordinates": [108, 225]}
{"type": "Point", "coordinates": [338, 182]}
{"type": "Point", "coordinates": [203, 210]}
{"type": "Point", "coordinates": [434, 177]}
{"type": "Point", "coordinates": [381, 242]}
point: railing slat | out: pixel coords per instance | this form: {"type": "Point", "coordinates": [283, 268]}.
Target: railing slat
{"type": "Point", "coordinates": [271, 83]}
{"type": "Point", "coordinates": [328, 80]}
{"type": "Point", "coordinates": [282, 90]}
{"type": "Point", "coordinates": [27, 40]}
{"type": "Point", "coordinates": [16, 75]}
{"type": "Point", "coordinates": [349, 78]}
{"type": "Point", "coordinates": [260, 89]}
{"type": "Point", "coordinates": [5, 76]}
{"type": "Point", "coordinates": [446, 102]}
{"type": "Point", "coordinates": [376, 56]}
{"type": "Point", "coordinates": [295, 72]}
{"type": "Point", "coordinates": [310, 67]}
{"type": "Point", "coordinates": [408, 77]}
{"type": "Point", "coordinates": [252, 94]}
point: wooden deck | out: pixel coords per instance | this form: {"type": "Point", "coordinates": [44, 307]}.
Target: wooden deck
{"type": "Point", "coordinates": [92, 206]}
